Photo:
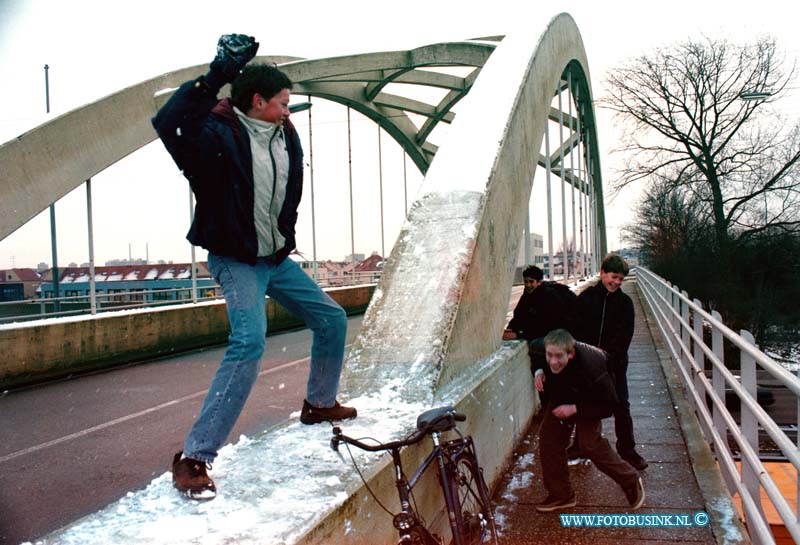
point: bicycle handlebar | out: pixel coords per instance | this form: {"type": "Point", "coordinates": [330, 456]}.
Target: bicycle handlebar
{"type": "Point", "coordinates": [442, 419]}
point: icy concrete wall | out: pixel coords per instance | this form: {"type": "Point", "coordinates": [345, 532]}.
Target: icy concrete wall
{"type": "Point", "coordinates": [47, 349]}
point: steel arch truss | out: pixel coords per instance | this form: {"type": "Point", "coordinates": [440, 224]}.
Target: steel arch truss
{"type": "Point", "coordinates": [360, 82]}
{"type": "Point", "coordinates": [581, 141]}
{"type": "Point", "coordinates": [46, 163]}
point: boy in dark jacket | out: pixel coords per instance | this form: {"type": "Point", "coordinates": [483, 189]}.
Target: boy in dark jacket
{"type": "Point", "coordinates": [581, 393]}
{"type": "Point", "coordinates": [607, 316]}
{"type": "Point", "coordinates": [540, 309]}
{"type": "Point", "coordinates": [243, 160]}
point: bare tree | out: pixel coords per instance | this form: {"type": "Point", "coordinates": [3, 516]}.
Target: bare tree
{"type": "Point", "coordinates": [670, 223]}
{"type": "Point", "coordinates": [689, 123]}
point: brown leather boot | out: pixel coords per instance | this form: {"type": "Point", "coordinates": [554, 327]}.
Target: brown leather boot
{"type": "Point", "coordinates": [191, 478]}
{"type": "Point", "coordinates": [314, 415]}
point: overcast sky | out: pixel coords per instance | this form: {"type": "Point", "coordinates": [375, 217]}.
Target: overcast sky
{"type": "Point", "coordinates": [94, 48]}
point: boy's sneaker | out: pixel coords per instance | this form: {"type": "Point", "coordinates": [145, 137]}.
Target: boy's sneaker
{"type": "Point", "coordinates": [573, 453]}
{"type": "Point", "coordinates": [634, 459]}
{"type": "Point", "coordinates": [191, 478]}
{"type": "Point", "coordinates": [635, 494]}
{"type": "Point", "coordinates": [553, 504]}
{"type": "Point", "coordinates": [314, 415]}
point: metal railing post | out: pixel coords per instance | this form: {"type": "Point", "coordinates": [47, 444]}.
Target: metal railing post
{"type": "Point", "coordinates": [564, 249]}
{"type": "Point", "coordinates": [747, 372]}
{"type": "Point", "coordinates": [717, 379]}
{"type": "Point", "coordinates": [676, 309]}
{"type": "Point", "coordinates": [194, 260]}
{"type": "Point", "coordinates": [685, 359]}
{"type": "Point", "coordinates": [548, 167]}
{"type": "Point", "coordinates": [53, 243]}
{"type": "Point", "coordinates": [700, 362]}
{"type": "Point", "coordinates": [527, 237]}
{"type": "Point", "coordinates": [313, 210]}
{"type": "Point", "coordinates": [405, 183]}
{"type": "Point", "coordinates": [90, 227]}
{"type": "Point", "coordinates": [582, 194]}
{"type": "Point", "coordinates": [380, 183]}
{"type": "Point", "coordinates": [593, 238]}
{"type": "Point", "coordinates": [352, 221]}
{"type": "Point", "coordinates": [572, 176]}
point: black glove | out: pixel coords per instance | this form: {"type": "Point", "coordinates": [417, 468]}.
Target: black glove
{"type": "Point", "coordinates": [234, 51]}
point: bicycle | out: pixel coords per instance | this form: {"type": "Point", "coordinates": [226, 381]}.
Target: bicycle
{"type": "Point", "coordinates": [460, 476]}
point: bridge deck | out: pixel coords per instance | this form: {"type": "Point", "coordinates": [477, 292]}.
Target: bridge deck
{"type": "Point", "coordinates": [669, 481]}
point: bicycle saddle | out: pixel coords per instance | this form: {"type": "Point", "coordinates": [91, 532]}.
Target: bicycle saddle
{"type": "Point", "coordinates": [439, 419]}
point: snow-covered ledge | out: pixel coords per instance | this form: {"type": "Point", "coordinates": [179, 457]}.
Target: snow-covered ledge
{"type": "Point", "coordinates": [286, 486]}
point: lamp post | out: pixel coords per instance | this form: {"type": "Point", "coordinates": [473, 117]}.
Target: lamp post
{"type": "Point", "coordinates": [294, 108]}
{"type": "Point", "coordinates": [56, 294]}
{"type": "Point", "coordinates": [753, 96]}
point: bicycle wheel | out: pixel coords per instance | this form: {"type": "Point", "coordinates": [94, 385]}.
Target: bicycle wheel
{"type": "Point", "coordinates": [473, 512]}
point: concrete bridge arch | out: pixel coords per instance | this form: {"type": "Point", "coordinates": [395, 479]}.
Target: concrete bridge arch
{"type": "Point", "coordinates": [442, 303]}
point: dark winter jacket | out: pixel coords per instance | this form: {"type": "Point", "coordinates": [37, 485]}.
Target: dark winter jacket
{"type": "Point", "coordinates": [212, 148]}
{"type": "Point", "coordinates": [539, 312]}
{"type": "Point", "coordinates": [584, 382]}
{"type": "Point", "coordinates": [606, 321]}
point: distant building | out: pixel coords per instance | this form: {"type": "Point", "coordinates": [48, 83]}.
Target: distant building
{"type": "Point", "coordinates": [536, 251]}
{"type": "Point", "coordinates": [574, 260]}
{"type": "Point", "coordinates": [340, 273]}
{"type": "Point", "coordinates": [132, 283]}
{"type": "Point", "coordinates": [309, 269]}
{"type": "Point", "coordinates": [18, 284]}
{"type": "Point", "coordinates": [370, 269]}
{"type": "Point", "coordinates": [355, 257]}
{"type": "Point", "coordinates": [336, 273]}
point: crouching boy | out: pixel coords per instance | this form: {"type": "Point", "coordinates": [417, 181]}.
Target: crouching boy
{"type": "Point", "coordinates": [581, 394]}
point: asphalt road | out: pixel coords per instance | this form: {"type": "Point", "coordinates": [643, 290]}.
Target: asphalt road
{"type": "Point", "coordinates": [69, 448]}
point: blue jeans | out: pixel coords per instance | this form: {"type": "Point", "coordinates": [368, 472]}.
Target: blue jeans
{"type": "Point", "coordinates": [244, 287]}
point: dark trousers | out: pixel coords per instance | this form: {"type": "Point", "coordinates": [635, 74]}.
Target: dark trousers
{"type": "Point", "coordinates": [553, 440]}
{"type": "Point", "coordinates": [623, 423]}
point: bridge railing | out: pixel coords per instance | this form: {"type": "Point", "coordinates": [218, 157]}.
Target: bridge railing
{"type": "Point", "coordinates": [687, 328]}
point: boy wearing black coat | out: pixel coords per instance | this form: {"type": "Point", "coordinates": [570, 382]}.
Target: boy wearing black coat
{"type": "Point", "coordinates": [581, 394]}
{"type": "Point", "coordinates": [607, 318]}
{"type": "Point", "coordinates": [243, 159]}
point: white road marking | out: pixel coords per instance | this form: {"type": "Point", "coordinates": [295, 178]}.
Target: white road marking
{"type": "Point", "coordinates": [114, 422]}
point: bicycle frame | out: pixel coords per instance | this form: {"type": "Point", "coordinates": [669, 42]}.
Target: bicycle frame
{"type": "Point", "coordinates": [448, 456]}
{"type": "Point", "coordinates": [408, 520]}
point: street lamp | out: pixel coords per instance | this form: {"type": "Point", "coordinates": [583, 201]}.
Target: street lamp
{"type": "Point", "coordinates": [748, 96]}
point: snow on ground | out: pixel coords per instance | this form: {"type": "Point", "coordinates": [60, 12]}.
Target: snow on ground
{"type": "Point", "coordinates": [521, 479]}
